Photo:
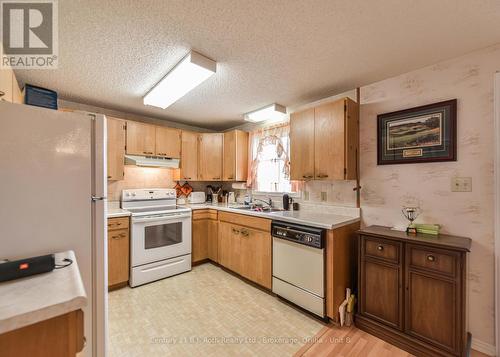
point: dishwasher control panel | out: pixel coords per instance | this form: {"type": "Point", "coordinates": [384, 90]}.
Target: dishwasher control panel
{"type": "Point", "coordinates": [310, 236]}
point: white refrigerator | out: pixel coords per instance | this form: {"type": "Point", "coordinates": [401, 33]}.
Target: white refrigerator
{"type": "Point", "coordinates": [53, 197]}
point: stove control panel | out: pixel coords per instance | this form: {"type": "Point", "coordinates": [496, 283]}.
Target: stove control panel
{"type": "Point", "coordinates": [148, 194]}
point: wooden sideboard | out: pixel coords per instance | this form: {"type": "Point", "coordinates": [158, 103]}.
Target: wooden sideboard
{"type": "Point", "coordinates": [412, 290]}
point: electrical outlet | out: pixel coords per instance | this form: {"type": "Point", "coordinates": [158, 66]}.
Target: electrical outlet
{"type": "Point", "coordinates": [324, 196]}
{"type": "Point", "coordinates": [461, 184]}
{"type": "Point", "coordinates": [306, 195]}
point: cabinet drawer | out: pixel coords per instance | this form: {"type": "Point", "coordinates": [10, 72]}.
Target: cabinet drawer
{"type": "Point", "coordinates": [382, 249]}
{"type": "Point", "coordinates": [432, 259]}
{"type": "Point", "coordinates": [262, 224]}
{"type": "Point", "coordinates": [118, 234]}
{"type": "Point", "coordinates": [204, 214]}
{"type": "Point", "coordinates": [118, 223]}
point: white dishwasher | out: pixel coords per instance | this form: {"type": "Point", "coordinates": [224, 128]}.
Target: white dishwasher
{"type": "Point", "coordinates": [299, 265]}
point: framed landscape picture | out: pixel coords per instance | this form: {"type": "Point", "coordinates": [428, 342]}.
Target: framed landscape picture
{"type": "Point", "coordinates": [422, 134]}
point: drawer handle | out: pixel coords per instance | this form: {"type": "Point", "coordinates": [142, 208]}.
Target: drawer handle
{"type": "Point", "coordinates": [380, 248]}
{"type": "Point", "coordinates": [147, 152]}
{"type": "Point", "coordinates": [110, 177]}
{"type": "Point", "coordinates": [307, 176]}
{"type": "Point", "coordinates": [431, 258]}
{"type": "Point", "coordinates": [121, 235]}
{"type": "Point", "coordinates": [216, 178]}
{"type": "Point", "coordinates": [322, 176]}
{"type": "Point", "coordinates": [235, 231]}
{"type": "Point", "coordinates": [230, 178]}
{"type": "Point", "coordinates": [2, 93]}
{"type": "Point", "coordinates": [244, 233]}
{"type": "Point", "coordinates": [187, 178]}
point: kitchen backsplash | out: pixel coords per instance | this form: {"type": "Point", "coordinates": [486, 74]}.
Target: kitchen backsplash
{"type": "Point", "coordinates": [153, 177]}
{"type": "Point", "coordinates": [141, 177]}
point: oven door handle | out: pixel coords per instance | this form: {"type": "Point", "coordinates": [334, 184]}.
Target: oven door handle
{"type": "Point", "coordinates": [161, 218]}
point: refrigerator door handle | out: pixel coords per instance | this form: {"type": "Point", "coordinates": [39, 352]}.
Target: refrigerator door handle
{"type": "Point", "coordinates": [98, 198]}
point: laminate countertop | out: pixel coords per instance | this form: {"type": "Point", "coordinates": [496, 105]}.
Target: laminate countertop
{"type": "Point", "coordinates": [41, 297]}
{"type": "Point", "coordinates": [117, 212]}
{"type": "Point", "coordinates": [332, 218]}
{"type": "Point", "coordinates": [322, 217]}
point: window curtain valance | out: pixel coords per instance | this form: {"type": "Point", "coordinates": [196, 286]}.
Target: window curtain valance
{"type": "Point", "coordinates": [262, 138]}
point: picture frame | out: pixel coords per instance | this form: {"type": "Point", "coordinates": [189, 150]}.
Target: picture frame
{"type": "Point", "coordinates": [426, 133]}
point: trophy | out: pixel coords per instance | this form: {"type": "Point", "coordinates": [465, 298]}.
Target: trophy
{"type": "Point", "coordinates": [411, 214]}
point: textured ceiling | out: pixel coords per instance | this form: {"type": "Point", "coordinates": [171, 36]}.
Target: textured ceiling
{"type": "Point", "coordinates": [287, 51]}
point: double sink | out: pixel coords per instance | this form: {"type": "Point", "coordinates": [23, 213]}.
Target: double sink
{"type": "Point", "coordinates": [259, 209]}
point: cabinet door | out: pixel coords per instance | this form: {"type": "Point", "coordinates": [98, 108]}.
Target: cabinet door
{"type": "Point", "coordinates": [210, 163]}
{"type": "Point", "coordinates": [212, 240]}
{"type": "Point", "coordinates": [229, 170]}
{"type": "Point", "coordinates": [433, 304]}
{"type": "Point", "coordinates": [140, 138]}
{"type": "Point", "coordinates": [302, 145]}
{"type": "Point", "coordinates": [255, 247]}
{"type": "Point", "coordinates": [189, 156]}
{"type": "Point", "coordinates": [168, 142]}
{"type": "Point", "coordinates": [118, 256]}
{"type": "Point", "coordinates": [199, 240]}
{"type": "Point", "coordinates": [116, 148]}
{"type": "Point", "coordinates": [435, 296]}
{"type": "Point", "coordinates": [352, 140]}
{"type": "Point", "coordinates": [235, 158]}
{"type": "Point", "coordinates": [329, 141]}
{"type": "Point", "coordinates": [229, 246]}
{"type": "Point", "coordinates": [380, 282]}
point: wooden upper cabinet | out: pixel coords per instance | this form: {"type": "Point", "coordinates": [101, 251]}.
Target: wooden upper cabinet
{"type": "Point", "coordinates": [210, 160]}
{"type": "Point", "coordinates": [141, 138]}
{"type": "Point", "coordinates": [302, 145]}
{"type": "Point", "coordinates": [235, 159]}
{"type": "Point", "coordinates": [329, 141]}
{"type": "Point", "coordinates": [324, 142]}
{"type": "Point", "coordinates": [189, 155]}
{"type": "Point", "coordinates": [116, 148]}
{"type": "Point", "coordinates": [168, 142]}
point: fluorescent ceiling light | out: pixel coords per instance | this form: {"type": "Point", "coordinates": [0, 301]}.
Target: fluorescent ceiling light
{"type": "Point", "coordinates": [272, 112]}
{"type": "Point", "coordinates": [190, 72]}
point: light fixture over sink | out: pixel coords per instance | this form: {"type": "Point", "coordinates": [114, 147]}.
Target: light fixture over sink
{"type": "Point", "coordinates": [190, 72]}
{"type": "Point", "coordinates": [272, 112]}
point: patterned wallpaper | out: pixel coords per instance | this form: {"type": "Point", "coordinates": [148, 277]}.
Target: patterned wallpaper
{"type": "Point", "coordinates": [385, 189]}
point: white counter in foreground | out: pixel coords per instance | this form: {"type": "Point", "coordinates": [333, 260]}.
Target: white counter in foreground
{"type": "Point", "coordinates": [41, 297]}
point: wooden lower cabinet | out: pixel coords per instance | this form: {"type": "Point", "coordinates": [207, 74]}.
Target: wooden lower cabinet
{"type": "Point", "coordinates": [60, 336]}
{"type": "Point", "coordinates": [229, 247]}
{"type": "Point", "coordinates": [118, 252]}
{"type": "Point", "coordinates": [204, 236]}
{"type": "Point", "coordinates": [412, 290]}
{"type": "Point", "coordinates": [212, 231]}
{"type": "Point", "coordinates": [246, 249]}
{"type": "Point", "coordinates": [255, 253]}
{"type": "Point", "coordinates": [199, 247]}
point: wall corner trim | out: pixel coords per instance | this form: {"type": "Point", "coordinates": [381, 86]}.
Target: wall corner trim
{"type": "Point", "coordinates": [483, 347]}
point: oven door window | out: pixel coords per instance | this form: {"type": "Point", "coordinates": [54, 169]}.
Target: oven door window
{"type": "Point", "coordinates": [162, 235]}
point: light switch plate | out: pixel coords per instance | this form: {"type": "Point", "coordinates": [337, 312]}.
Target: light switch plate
{"type": "Point", "coordinates": [461, 184]}
{"type": "Point", "coordinates": [306, 195]}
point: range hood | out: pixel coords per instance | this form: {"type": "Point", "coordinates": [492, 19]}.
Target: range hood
{"type": "Point", "coordinates": [151, 161]}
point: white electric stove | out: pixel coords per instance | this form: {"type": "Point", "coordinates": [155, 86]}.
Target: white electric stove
{"type": "Point", "coordinates": [160, 234]}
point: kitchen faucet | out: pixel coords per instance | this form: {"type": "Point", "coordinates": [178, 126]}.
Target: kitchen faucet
{"type": "Point", "coordinates": [269, 202]}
